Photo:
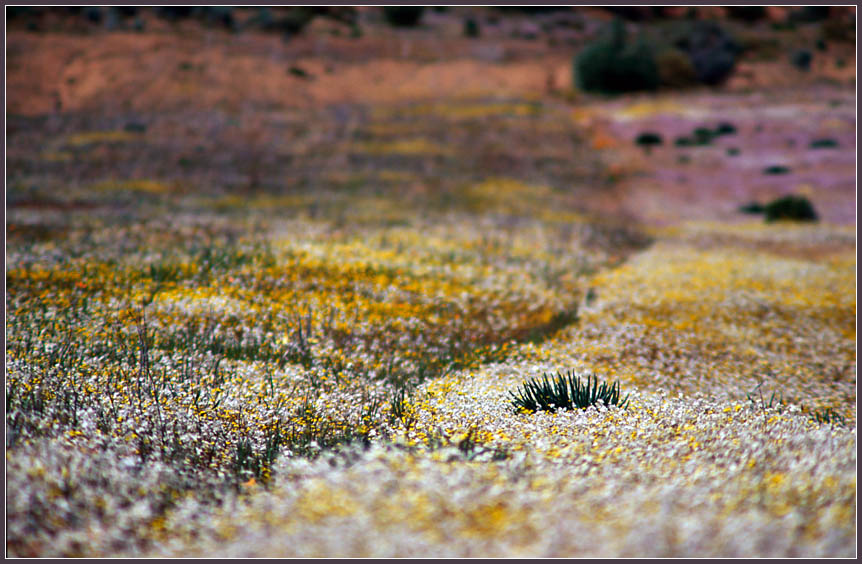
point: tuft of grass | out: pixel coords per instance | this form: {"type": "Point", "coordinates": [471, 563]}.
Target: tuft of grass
{"type": "Point", "coordinates": [565, 392]}
{"type": "Point", "coordinates": [776, 400]}
{"type": "Point", "coordinates": [829, 417]}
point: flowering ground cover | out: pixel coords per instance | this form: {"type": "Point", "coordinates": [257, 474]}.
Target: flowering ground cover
{"type": "Point", "coordinates": [300, 379]}
{"type": "Point", "coordinates": [725, 458]}
{"type": "Point", "coordinates": [166, 342]}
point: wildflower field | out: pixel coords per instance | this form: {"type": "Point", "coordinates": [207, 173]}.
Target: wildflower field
{"type": "Point", "coordinates": [264, 332]}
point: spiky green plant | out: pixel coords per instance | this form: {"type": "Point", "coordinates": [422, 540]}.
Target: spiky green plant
{"type": "Point", "coordinates": [565, 392]}
{"type": "Point", "coordinates": [829, 416]}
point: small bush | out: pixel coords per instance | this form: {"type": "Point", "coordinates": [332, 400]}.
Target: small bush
{"type": "Point", "coordinates": [135, 127]}
{"type": "Point", "coordinates": [806, 14]}
{"type": "Point", "coordinates": [746, 13]}
{"type": "Point", "coordinates": [295, 20]}
{"type": "Point", "coordinates": [703, 135]}
{"type": "Point", "coordinates": [791, 208]}
{"type": "Point", "coordinates": [801, 59]}
{"type": "Point", "coordinates": [298, 72]}
{"type": "Point", "coordinates": [174, 13]}
{"type": "Point", "coordinates": [776, 169]}
{"type": "Point", "coordinates": [700, 136]}
{"type": "Point", "coordinates": [565, 392]}
{"type": "Point", "coordinates": [753, 208]}
{"type": "Point", "coordinates": [675, 69]}
{"type": "Point", "coordinates": [648, 140]}
{"type": "Point", "coordinates": [825, 143]}
{"type": "Point", "coordinates": [403, 16]}
{"type": "Point", "coordinates": [732, 152]}
{"type": "Point", "coordinates": [712, 51]}
{"type": "Point", "coordinates": [471, 28]}
{"type": "Point", "coordinates": [725, 128]}
{"type": "Point", "coordinates": [611, 66]}
{"type": "Point", "coordinates": [836, 30]}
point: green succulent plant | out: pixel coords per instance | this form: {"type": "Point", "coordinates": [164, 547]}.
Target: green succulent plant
{"type": "Point", "coordinates": [565, 392]}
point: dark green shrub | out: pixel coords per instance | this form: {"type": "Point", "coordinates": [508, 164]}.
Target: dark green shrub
{"type": "Point", "coordinates": [471, 28]}
{"type": "Point", "coordinates": [788, 25]}
{"type": "Point", "coordinates": [298, 72]}
{"type": "Point", "coordinates": [648, 140]}
{"type": "Point", "coordinates": [126, 11]}
{"type": "Point", "coordinates": [675, 69]}
{"type": "Point", "coordinates": [93, 14]}
{"type": "Point", "coordinates": [263, 18]}
{"type": "Point", "coordinates": [135, 127]}
{"type": "Point", "coordinates": [174, 13]}
{"type": "Point", "coordinates": [16, 12]}
{"type": "Point", "coordinates": [792, 208]}
{"type": "Point", "coordinates": [611, 66]}
{"type": "Point", "coordinates": [806, 14]}
{"type": "Point", "coordinates": [825, 143]}
{"type": "Point", "coordinates": [732, 152]}
{"type": "Point", "coordinates": [753, 208]}
{"type": "Point", "coordinates": [403, 16]}
{"type": "Point", "coordinates": [703, 136]}
{"type": "Point", "coordinates": [725, 128]}
{"type": "Point", "coordinates": [220, 15]}
{"type": "Point", "coordinates": [295, 20]}
{"type": "Point", "coordinates": [711, 49]}
{"type": "Point", "coordinates": [631, 13]}
{"type": "Point", "coordinates": [838, 30]}
{"type": "Point", "coordinates": [801, 59]}
{"type": "Point", "coordinates": [531, 9]}
{"type": "Point", "coordinates": [565, 392]}
{"type": "Point", "coordinates": [746, 13]}
{"type": "Point", "coordinates": [776, 169]}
